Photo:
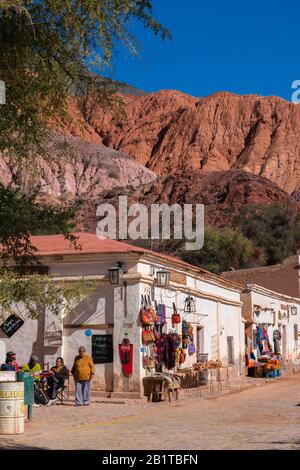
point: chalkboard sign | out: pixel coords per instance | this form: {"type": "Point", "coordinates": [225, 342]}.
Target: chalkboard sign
{"type": "Point", "coordinates": [11, 325]}
{"type": "Point", "coordinates": [102, 349]}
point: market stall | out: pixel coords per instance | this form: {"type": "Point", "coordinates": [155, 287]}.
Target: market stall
{"type": "Point", "coordinates": [265, 358]}
{"type": "Point", "coordinates": [168, 353]}
{"type": "Point", "coordinates": [267, 365]}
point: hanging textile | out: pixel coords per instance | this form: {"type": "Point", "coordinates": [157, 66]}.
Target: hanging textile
{"type": "Point", "coordinates": [161, 314]}
{"type": "Point", "coordinates": [170, 349]}
{"type": "Point", "coordinates": [160, 348]}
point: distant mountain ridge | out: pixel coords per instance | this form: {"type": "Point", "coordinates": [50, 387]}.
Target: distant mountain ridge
{"type": "Point", "coordinates": [222, 151]}
{"type": "Point", "coordinates": [169, 131]}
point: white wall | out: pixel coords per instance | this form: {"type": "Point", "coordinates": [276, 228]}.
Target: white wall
{"type": "Point", "coordinates": [231, 326]}
{"type": "Point", "coordinates": [30, 339]}
{"type": "Point", "coordinates": [121, 307]}
{"type": "Point", "coordinates": [266, 317]}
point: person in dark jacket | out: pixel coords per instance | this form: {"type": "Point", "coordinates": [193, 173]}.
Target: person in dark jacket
{"type": "Point", "coordinates": [59, 373]}
{"type": "Point", "coordinates": [8, 365]}
{"type": "Point", "coordinates": [13, 356]}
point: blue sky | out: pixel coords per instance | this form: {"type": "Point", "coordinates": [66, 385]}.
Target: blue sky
{"type": "Point", "coordinates": [238, 46]}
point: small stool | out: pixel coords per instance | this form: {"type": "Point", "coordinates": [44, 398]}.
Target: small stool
{"type": "Point", "coordinates": [156, 391]}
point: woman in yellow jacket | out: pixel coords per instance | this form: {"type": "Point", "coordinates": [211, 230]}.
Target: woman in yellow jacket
{"type": "Point", "coordinates": [83, 370]}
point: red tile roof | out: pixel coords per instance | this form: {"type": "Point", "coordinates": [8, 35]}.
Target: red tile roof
{"type": "Point", "coordinates": [48, 245]}
{"type": "Point", "coordinates": [89, 243]}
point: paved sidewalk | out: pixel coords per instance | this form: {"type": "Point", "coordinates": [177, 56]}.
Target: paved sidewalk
{"type": "Point", "coordinates": [262, 417]}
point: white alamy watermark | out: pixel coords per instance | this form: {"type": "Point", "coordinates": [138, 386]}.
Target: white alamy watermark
{"type": "Point", "coordinates": [158, 222]}
{"type": "Point", "coordinates": [2, 92]}
{"type": "Point", "coordinates": [296, 94]}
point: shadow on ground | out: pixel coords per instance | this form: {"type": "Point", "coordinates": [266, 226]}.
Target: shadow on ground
{"type": "Point", "coordinates": [13, 446]}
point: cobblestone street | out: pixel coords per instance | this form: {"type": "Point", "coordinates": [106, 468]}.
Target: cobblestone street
{"type": "Point", "coordinates": [263, 417]}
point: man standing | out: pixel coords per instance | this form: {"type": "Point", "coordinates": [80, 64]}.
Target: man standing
{"type": "Point", "coordinates": [83, 370]}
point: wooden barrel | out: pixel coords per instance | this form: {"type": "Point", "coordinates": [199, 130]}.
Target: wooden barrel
{"type": "Point", "coordinates": [11, 407]}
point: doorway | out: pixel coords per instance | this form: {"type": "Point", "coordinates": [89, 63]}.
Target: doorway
{"type": "Point", "coordinates": [284, 341]}
{"type": "Point", "coordinates": [200, 343]}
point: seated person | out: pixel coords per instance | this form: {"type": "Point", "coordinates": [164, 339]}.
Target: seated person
{"type": "Point", "coordinates": [33, 367]}
{"type": "Point", "coordinates": [9, 364]}
{"type": "Point", "coordinates": [13, 356]}
{"type": "Point", "coordinates": [60, 373]}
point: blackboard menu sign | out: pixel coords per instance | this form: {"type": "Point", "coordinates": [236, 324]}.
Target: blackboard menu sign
{"type": "Point", "coordinates": [102, 349]}
{"type": "Point", "coordinates": [11, 325]}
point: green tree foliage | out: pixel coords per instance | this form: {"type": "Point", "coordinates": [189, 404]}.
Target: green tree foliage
{"type": "Point", "coordinates": [53, 48]}
{"type": "Point", "coordinates": [49, 50]}
{"type": "Point", "coordinates": [222, 250]}
{"type": "Point", "coordinates": [28, 296]}
{"type": "Point", "coordinates": [22, 216]}
{"type": "Point", "coordinates": [22, 291]}
{"type": "Point", "coordinates": [273, 228]}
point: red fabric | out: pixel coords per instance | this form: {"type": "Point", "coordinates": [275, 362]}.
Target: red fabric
{"type": "Point", "coordinates": [16, 366]}
{"type": "Point", "coordinates": [127, 368]}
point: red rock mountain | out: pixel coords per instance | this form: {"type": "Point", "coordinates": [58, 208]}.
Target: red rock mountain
{"type": "Point", "coordinates": [168, 130]}
{"type": "Point", "coordinates": [222, 151]}
{"type": "Point", "coordinates": [223, 194]}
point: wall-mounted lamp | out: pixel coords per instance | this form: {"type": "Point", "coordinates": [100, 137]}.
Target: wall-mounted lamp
{"type": "Point", "coordinates": [294, 310]}
{"type": "Point", "coordinates": [115, 274]}
{"type": "Point", "coordinates": [190, 305]}
{"type": "Point", "coordinates": [162, 278]}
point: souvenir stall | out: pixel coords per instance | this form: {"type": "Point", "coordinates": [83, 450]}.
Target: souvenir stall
{"type": "Point", "coordinates": [166, 352]}
{"type": "Point", "coordinates": [267, 365]}
{"type": "Point", "coordinates": [264, 361]}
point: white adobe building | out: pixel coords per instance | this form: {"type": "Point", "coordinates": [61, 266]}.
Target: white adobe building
{"type": "Point", "coordinates": [275, 312]}
{"type": "Point", "coordinates": [113, 311]}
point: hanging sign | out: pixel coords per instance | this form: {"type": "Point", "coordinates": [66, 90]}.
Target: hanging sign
{"type": "Point", "coordinates": [11, 325]}
{"type": "Point", "coordinates": [53, 338]}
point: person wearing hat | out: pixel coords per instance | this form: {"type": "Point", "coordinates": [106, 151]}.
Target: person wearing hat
{"type": "Point", "coordinates": [33, 367]}
{"type": "Point", "coordinates": [12, 355]}
{"type": "Point", "coordinates": [8, 365]}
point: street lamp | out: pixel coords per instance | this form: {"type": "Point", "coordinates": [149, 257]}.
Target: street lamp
{"type": "Point", "coordinates": [190, 305]}
{"type": "Point", "coordinates": [294, 310]}
{"type": "Point", "coordinates": [115, 274]}
{"type": "Point", "coordinates": [162, 278]}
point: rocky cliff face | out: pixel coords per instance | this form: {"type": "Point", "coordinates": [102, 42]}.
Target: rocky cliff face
{"type": "Point", "coordinates": [74, 169]}
{"type": "Point", "coordinates": [169, 130]}
{"type": "Point", "coordinates": [223, 194]}
{"type": "Point", "coordinates": [222, 151]}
